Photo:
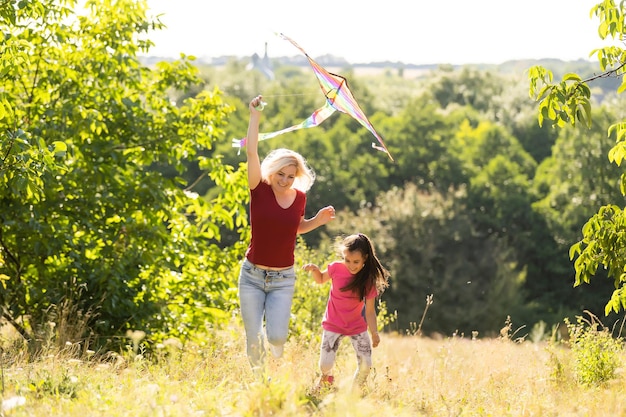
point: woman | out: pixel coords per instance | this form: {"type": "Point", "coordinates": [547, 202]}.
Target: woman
{"type": "Point", "coordinates": [277, 205]}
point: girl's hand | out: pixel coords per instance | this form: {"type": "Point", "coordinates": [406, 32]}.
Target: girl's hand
{"type": "Point", "coordinates": [375, 339]}
{"type": "Point", "coordinates": [311, 268]}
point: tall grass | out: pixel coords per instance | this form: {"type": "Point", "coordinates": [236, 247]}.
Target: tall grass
{"type": "Point", "coordinates": [412, 376]}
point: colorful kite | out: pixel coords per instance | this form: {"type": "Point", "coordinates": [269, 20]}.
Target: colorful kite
{"type": "Point", "coordinates": [338, 97]}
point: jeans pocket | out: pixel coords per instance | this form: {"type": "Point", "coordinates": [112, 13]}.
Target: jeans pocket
{"type": "Point", "coordinates": [289, 274]}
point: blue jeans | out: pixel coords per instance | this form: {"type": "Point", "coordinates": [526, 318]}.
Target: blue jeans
{"type": "Point", "coordinates": [265, 294]}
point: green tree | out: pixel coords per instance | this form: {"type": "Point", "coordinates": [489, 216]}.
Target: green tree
{"type": "Point", "coordinates": [102, 236]}
{"type": "Point", "coordinates": [468, 87]}
{"type": "Point", "coordinates": [428, 243]}
{"type": "Point", "coordinates": [578, 178]}
{"type": "Point", "coordinates": [568, 102]}
{"type": "Point", "coordinates": [420, 136]}
{"type": "Point", "coordinates": [24, 159]}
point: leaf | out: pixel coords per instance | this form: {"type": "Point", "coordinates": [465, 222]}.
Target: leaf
{"type": "Point", "coordinates": [59, 148]}
{"type": "Point", "coordinates": [574, 250]}
{"type": "Point", "coordinates": [585, 116]}
{"type": "Point", "coordinates": [622, 86]}
{"type": "Point", "coordinates": [570, 76]}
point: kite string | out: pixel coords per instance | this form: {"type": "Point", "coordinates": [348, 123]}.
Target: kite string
{"type": "Point", "coordinates": [262, 104]}
{"type": "Point", "coordinates": [289, 95]}
{"type": "Point", "coordinates": [293, 95]}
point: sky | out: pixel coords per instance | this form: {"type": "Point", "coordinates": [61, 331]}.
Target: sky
{"type": "Point", "coordinates": [428, 32]}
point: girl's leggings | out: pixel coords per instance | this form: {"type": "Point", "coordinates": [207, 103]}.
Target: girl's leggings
{"type": "Point", "coordinates": [362, 347]}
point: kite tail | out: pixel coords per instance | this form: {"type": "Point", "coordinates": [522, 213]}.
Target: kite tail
{"type": "Point", "coordinates": [313, 120]}
{"type": "Point", "coordinates": [380, 148]}
{"type": "Point", "coordinates": [239, 143]}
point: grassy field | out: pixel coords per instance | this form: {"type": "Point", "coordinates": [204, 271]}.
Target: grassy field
{"type": "Point", "coordinates": [413, 376]}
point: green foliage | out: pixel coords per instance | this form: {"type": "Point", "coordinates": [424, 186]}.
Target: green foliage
{"type": "Point", "coordinates": [95, 221]}
{"type": "Point", "coordinates": [430, 247]}
{"type": "Point", "coordinates": [468, 87]}
{"type": "Point", "coordinates": [54, 384]}
{"type": "Point", "coordinates": [310, 298]}
{"type": "Point", "coordinates": [477, 146]}
{"type": "Point", "coordinates": [421, 135]}
{"type": "Point", "coordinates": [577, 179]}
{"type": "Point", "coordinates": [498, 171]}
{"type": "Point", "coordinates": [611, 25]}
{"type": "Point", "coordinates": [569, 101]}
{"type": "Point", "coordinates": [557, 369]}
{"type": "Point", "coordinates": [569, 187]}
{"type": "Point", "coordinates": [603, 244]}
{"type": "Point", "coordinates": [596, 352]}
{"type": "Point", "coordinates": [392, 91]}
{"type": "Point", "coordinates": [562, 103]}
{"type": "Point", "coordinates": [25, 159]}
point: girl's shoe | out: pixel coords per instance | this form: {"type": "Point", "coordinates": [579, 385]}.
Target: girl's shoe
{"type": "Point", "coordinates": [326, 383]}
{"type": "Point", "coordinates": [323, 387]}
{"type": "Point", "coordinates": [327, 380]}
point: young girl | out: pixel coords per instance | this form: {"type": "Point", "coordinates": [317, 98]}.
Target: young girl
{"type": "Point", "coordinates": [355, 283]}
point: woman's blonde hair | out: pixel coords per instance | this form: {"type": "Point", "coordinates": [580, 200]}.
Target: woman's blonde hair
{"type": "Point", "coordinates": [280, 158]}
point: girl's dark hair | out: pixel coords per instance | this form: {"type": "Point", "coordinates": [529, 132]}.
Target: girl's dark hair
{"type": "Point", "coordinates": [373, 274]}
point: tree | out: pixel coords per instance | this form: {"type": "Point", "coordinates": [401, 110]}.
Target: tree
{"type": "Point", "coordinates": [430, 246]}
{"type": "Point", "coordinates": [98, 236]}
{"type": "Point", "coordinates": [603, 242]}
{"type": "Point", "coordinates": [469, 87]}
{"type": "Point", "coordinates": [421, 135]}
{"type": "Point", "coordinates": [24, 160]}
{"type": "Point", "coordinates": [578, 178]}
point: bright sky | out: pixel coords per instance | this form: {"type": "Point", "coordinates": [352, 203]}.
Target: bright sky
{"type": "Point", "coordinates": [413, 31]}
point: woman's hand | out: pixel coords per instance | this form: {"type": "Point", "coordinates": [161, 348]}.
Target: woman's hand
{"type": "Point", "coordinates": [325, 214]}
{"type": "Point", "coordinates": [256, 105]}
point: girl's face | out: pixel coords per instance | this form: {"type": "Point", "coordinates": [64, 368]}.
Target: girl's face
{"type": "Point", "coordinates": [283, 179]}
{"type": "Point", "coordinates": [354, 261]}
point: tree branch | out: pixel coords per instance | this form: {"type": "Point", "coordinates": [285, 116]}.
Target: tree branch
{"type": "Point", "coordinates": [12, 141]}
{"type": "Point", "coordinates": [196, 181]}
{"type": "Point", "coordinates": [20, 329]}
{"type": "Point", "coordinates": [605, 74]}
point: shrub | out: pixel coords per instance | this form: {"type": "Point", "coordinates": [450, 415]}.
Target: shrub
{"type": "Point", "coordinates": [596, 351]}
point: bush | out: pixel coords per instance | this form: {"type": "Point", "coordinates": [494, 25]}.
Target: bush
{"type": "Point", "coordinates": [596, 351]}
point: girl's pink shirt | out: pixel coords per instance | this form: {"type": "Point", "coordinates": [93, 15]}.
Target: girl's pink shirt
{"type": "Point", "coordinates": [344, 311]}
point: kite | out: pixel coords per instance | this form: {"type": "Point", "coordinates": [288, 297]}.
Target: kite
{"type": "Point", "coordinates": [338, 98]}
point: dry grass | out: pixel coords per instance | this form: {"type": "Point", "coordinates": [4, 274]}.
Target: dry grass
{"type": "Point", "coordinates": [413, 376]}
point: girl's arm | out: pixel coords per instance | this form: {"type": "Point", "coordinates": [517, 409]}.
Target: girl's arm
{"type": "Point", "coordinates": [370, 318]}
{"type": "Point", "coordinates": [252, 144]}
{"type": "Point", "coordinates": [319, 276]}
{"type": "Point", "coordinates": [323, 216]}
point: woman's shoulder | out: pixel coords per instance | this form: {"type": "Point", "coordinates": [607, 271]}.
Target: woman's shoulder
{"type": "Point", "coordinates": [262, 186]}
{"type": "Point", "coordinates": [300, 200]}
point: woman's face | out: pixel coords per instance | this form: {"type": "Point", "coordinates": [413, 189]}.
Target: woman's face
{"type": "Point", "coordinates": [284, 178]}
{"type": "Point", "coordinates": [354, 261]}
